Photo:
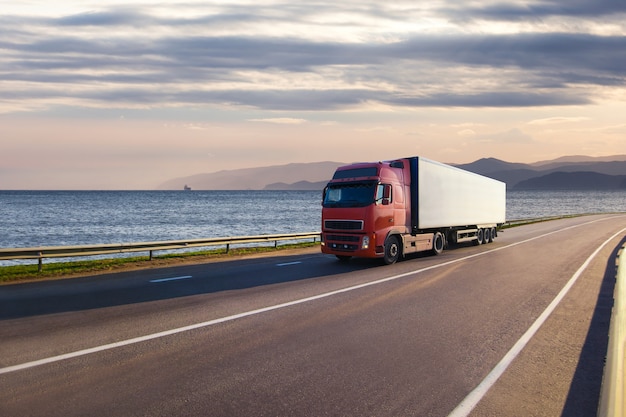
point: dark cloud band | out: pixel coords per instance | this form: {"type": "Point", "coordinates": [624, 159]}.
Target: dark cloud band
{"type": "Point", "coordinates": [531, 69]}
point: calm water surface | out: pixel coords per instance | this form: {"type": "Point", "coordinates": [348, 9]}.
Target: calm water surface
{"type": "Point", "coordinates": [43, 218]}
{"type": "Point", "coordinates": [59, 218]}
{"type": "Point", "coordinates": [532, 204]}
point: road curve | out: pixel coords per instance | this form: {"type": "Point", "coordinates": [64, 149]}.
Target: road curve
{"type": "Point", "coordinates": [307, 335]}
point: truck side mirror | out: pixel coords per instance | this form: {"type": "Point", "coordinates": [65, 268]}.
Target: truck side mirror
{"type": "Point", "coordinates": [387, 195]}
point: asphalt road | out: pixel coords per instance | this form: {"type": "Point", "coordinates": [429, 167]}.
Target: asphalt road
{"type": "Point", "coordinates": [306, 335]}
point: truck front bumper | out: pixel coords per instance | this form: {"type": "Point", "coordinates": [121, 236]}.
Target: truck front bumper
{"type": "Point", "coordinates": [349, 245]}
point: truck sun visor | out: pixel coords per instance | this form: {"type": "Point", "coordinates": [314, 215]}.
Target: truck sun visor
{"type": "Point", "coordinates": [356, 173]}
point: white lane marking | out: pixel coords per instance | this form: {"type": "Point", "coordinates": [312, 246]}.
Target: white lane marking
{"type": "Point", "coordinates": [171, 279]}
{"type": "Point", "coordinates": [467, 405]}
{"type": "Point", "coordinates": [289, 263]}
{"type": "Point", "coordinates": [170, 332]}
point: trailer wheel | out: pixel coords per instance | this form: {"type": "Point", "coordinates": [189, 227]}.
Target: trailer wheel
{"type": "Point", "coordinates": [480, 237]}
{"type": "Point", "coordinates": [488, 237]}
{"type": "Point", "coordinates": [438, 244]}
{"type": "Point", "coordinates": [494, 233]}
{"type": "Point", "coordinates": [392, 250]}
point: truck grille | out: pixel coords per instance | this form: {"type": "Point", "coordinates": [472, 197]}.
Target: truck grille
{"type": "Point", "coordinates": [343, 238]}
{"type": "Point", "coordinates": [343, 224]}
{"type": "Point", "coordinates": [342, 242]}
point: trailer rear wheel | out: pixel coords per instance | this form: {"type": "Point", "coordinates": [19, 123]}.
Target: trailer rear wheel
{"type": "Point", "coordinates": [480, 237]}
{"type": "Point", "coordinates": [488, 237]}
{"type": "Point", "coordinates": [392, 250]}
{"type": "Point", "coordinates": [438, 243]}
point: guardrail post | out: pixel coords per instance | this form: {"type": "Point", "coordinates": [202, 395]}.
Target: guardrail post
{"type": "Point", "coordinates": [227, 247]}
{"type": "Point", "coordinates": [40, 262]}
{"type": "Point", "coordinates": [150, 255]}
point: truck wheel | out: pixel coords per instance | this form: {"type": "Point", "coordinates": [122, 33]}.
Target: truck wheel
{"type": "Point", "coordinates": [438, 243]}
{"type": "Point", "coordinates": [480, 236]}
{"type": "Point", "coordinates": [487, 237]}
{"type": "Point", "coordinates": [392, 250]}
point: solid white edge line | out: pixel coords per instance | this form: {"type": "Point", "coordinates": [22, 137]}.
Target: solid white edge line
{"type": "Point", "coordinates": [170, 279]}
{"type": "Point", "coordinates": [469, 403]}
{"type": "Point", "coordinates": [170, 332]}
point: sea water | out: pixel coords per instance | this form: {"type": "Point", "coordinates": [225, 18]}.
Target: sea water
{"type": "Point", "coordinates": [61, 218]}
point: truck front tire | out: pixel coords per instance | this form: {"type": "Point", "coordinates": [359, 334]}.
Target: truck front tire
{"type": "Point", "coordinates": [392, 250]}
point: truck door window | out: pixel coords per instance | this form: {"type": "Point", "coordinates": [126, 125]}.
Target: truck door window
{"type": "Point", "coordinates": [383, 194]}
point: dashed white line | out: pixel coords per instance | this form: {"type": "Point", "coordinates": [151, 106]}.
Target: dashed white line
{"type": "Point", "coordinates": [289, 263]}
{"type": "Point", "coordinates": [171, 279]}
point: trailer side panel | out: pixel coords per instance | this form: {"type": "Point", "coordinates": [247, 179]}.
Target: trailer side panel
{"type": "Point", "coordinates": [449, 196]}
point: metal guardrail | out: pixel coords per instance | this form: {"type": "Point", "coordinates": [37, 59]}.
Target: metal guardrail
{"type": "Point", "coordinates": [613, 393]}
{"type": "Point", "coordinates": [43, 252]}
{"type": "Point", "coordinates": [521, 222]}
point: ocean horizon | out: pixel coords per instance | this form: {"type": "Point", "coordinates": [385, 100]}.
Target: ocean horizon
{"type": "Point", "coordinates": [63, 218]}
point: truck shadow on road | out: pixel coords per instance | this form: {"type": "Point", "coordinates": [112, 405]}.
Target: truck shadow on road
{"type": "Point", "coordinates": [584, 394]}
{"type": "Point", "coordinates": [133, 287]}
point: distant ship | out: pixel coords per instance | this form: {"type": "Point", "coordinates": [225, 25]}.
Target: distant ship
{"type": "Point", "coordinates": [187, 188]}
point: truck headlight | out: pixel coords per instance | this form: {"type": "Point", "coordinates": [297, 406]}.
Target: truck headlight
{"type": "Point", "coordinates": [365, 243]}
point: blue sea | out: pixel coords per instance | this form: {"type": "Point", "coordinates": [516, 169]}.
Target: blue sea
{"type": "Point", "coordinates": [60, 218]}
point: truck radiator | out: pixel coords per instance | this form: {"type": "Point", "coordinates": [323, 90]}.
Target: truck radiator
{"type": "Point", "coordinates": [343, 238]}
{"type": "Point", "coordinates": [343, 224]}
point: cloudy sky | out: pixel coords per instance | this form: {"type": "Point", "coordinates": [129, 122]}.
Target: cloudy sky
{"type": "Point", "coordinates": [128, 94]}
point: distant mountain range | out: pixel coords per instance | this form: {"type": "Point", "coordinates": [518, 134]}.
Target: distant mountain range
{"type": "Point", "coordinates": [569, 172]}
{"type": "Point", "coordinates": [297, 176]}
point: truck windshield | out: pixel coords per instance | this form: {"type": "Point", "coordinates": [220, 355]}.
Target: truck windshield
{"type": "Point", "coordinates": [359, 194]}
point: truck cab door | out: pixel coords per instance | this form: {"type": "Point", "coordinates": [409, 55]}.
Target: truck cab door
{"type": "Point", "coordinates": [384, 211]}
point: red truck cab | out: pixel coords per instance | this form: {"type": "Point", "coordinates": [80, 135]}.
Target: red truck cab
{"type": "Point", "coordinates": [394, 208]}
{"type": "Point", "coordinates": [362, 205]}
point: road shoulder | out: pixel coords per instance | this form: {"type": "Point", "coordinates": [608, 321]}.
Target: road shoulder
{"type": "Point", "coordinates": [561, 367]}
